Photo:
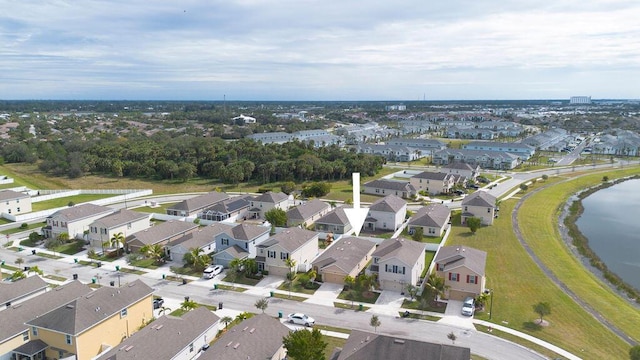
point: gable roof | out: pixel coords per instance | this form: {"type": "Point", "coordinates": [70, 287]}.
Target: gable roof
{"type": "Point", "coordinates": [368, 346]}
{"type": "Point", "coordinates": [290, 239]}
{"type": "Point", "coordinates": [165, 338]}
{"type": "Point", "coordinates": [345, 253]}
{"type": "Point", "coordinates": [431, 175]}
{"type": "Point", "coordinates": [161, 232]}
{"type": "Point", "coordinates": [11, 291]}
{"type": "Point", "coordinates": [234, 251]}
{"type": "Point", "coordinates": [391, 185]}
{"type": "Point", "coordinates": [87, 311]}
{"type": "Point", "coordinates": [407, 251]}
{"type": "Point", "coordinates": [258, 337]}
{"type": "Point", "coordinates": [203, 236]}
{"type": "Point", "coordinates": [200, 202]}
{"type": "Point", "coordinates": [271, 197]}
{"type": "Point", "coordinates": [82, 211]}
{"type": "Point", "coordinates": [452, 257]}
{"type": "Point", "coordinates": [335, 217]}
{"type": "Point", "coordinates": [10, 195]}
{"type": "Point", "coordinates": [230, 205]}
{"type": "Point", "coordinates": [390, 203]}
{"type": "Point", "coordinates": [479, 198]}
{"type": "Point", "coordinates": [13, 318]}
{"type": "Point", "coordinates": [121, 217]}
{"type": "Point", "coordinates": [459, 165]}
{"type": "Point", "coordinates": [248, 232]}
{"type": "Point", "coordinates": [432, 215]}
{"type": "Point", "coordinates": [307, 210]}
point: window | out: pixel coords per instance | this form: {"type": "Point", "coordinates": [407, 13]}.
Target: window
{"type": "Point", "coordinates": [225, 241]}
{"type": "Point", "coordinates": [271, 254]}
{"type": "Point", "coordinates": [18, 209]}
{"type": "Point", "coordinates": [69, 340]}
{"type": "Point", "coordinates": [488, 210]}
{"type": "Point", "coordinates": [454, 277]}
{"type": "Point", "coordinates": [432, 231]}
{"type": "Point", "coordinates": [128, 225]}
{"type": "Point", "coordinates": [191, 347]}
{"type": "Point", "coordinates": [9, 211]}
{"type": "Point", "coordinates": [472, 279]}
{"type": "Point", "coordinates": [25, 336]}
{"type": "Point", "coordinates": [284, 256]}
{"type": "Point", "coordinates": [34, 331]}
{"type": "Point", "coordinates": [375, 260]}
{"type": "Point", "coordinates": [466, 208]}
{"type": "Point", "coordinates": [123, 313]}
{"type": "Point", "coordinates": [440, 267]}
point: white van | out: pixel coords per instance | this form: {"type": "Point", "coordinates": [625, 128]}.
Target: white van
{"type": "Point", "coordinates": [211, 271]}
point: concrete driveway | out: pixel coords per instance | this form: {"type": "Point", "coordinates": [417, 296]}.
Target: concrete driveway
{"type": "Point", "coordinates": [453, 316]}
{"type": "Point", "coordinates": [326, 294]}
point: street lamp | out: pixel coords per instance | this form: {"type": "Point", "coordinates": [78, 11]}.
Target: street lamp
{"type": "Point", "coordinates": [490, 292]}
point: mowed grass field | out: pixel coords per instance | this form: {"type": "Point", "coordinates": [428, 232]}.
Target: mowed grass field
{"type": "Point", "coordinates": [518, 283]}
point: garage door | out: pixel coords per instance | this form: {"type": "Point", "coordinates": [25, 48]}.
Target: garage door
{"type": "Point", "coordinates": [333, 278]}
{"type": "Point", "coordinates": [392, 285]}
{"type": "Point", "coordinates": [278, 271]}
{"type": "Point", "coordinates": [459, 295]}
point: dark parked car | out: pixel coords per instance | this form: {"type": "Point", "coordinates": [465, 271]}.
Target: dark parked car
{"type": "Point", "coordinates": [157, 303]}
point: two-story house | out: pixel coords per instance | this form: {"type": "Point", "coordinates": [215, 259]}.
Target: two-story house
{"type": "Point", "coordinates": [463, 270]}
{"type": "Point", "coordinates": [239, 242]}
{"type": "Point", "coordinates": [433, 219]}
{"type": "Point", "coordinates": [14, 292]}
{"type": "Point", "coordinates": [14, 203]}
{"type": "Point", "coordinates": [161, 234]}
{"type": "Point", "coordinates": [480, 204]}
{"type": "Point", "coordinates": [398, 262]}
{"type": "Point", "coordinates": [122, 221]}
{"type": "Point", "coordinates": [292, 243]}
{"type": "Point", "coordinates": [387, 213]}
{"type": "Point", "coordinates": [306, 214]}
{"type": "Point", "coordinates": [385, 187]}
{"type": "Point", "coordinates": [204, 239]}
{"type": "Point", "coordinates": [228, 210]}
{"type": "Point", "coordinates": [433, 183]}
{"type": "Point", "coordinates": [93, 323]}
{"type": "Point", "coordinates": [267, 201]}
{"type": "Point", "coordinates": [335, 222]}
{"type": "Point", "coordinates": [196, 204]}
{"type": "Point", "coordinates": [460, 168]}
{"type": "Point", "coordinates": [74, 220]}
{"type": "Point", "coordinates": [345, 257]}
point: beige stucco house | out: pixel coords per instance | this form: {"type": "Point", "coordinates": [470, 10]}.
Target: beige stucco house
{"type": "Point", "coordinates": [292, 243]}
{"type": "Point", "coordinates": [433, 183]}
{"type": "Point", "coordinates": [14, 203]}
{"type": "Point", "coordinates": [306, 214]}
{"type": "Point", "coordinates": [267, 201]}
{"type": "Point", "coordinates": [122, 221]}
{"type": "Point", "coordinates": [345, 257]}
{"type": "Point", "coordinates": [463, 271]}
{"type": "Point", "coordinates": [433, 219]}
{"type": "Point", "coordinates": [480, 204]}
{"type": "Point", "coordinates": [398, 262]}
{"type": "Point", "coordinates": [74, 220]}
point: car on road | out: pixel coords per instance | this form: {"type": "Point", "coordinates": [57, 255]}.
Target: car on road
{"type": "Point", "coordinates": [157, 303]}
{"type": "Point", "coordinates": [212, 271]}
{"type": "Point", "coordinates": [468, 306]}
{"type": "Point", "coordinates": [301, 319]}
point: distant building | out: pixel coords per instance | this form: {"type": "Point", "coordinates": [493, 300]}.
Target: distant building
{"type": "Point", "coordinates": [580, 100]}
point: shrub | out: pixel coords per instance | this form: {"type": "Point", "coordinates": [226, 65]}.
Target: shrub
{"type": "Point", "coordinates": [24, 226]}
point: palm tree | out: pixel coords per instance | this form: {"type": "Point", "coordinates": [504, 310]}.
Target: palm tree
{"type": "Point", "coordinates": [436, 285]}
{"type": "Point", "coordinates": [196, 259]}
{"type": "Point", "coordinates": [155, 252]}
{"type": "Point", "coordinates": [234, 268]}
{"type": "Point", "coordinates": [226, 320]}
{"type": "Point", "coordinates": [349, 282]}
{"type": "Point", "coordinates": [35, 269]}
{"type": "Point", "coordinates": [188, 305]}
{"type": "Point", "coordinates": [164, 310]}
{"type": "Point", "coordinates": [291, 264]}
{"type": "Point", "coordinates": [117, 240]}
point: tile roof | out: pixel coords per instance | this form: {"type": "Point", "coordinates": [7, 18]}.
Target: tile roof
{"type": "Point", "coordinates": [162, 231]}
{"type": "Point", "coordinates": [390, 203]}
{"type": "Point", "coordinates": [479, 198]}
{"type": "Point", "coordinates": [271, 197]}
{"type": "Point", "coordinates": [407, 251]}
{"type": "Point", "coordinates": [83, 211]}
{"type": "Point", "coordinates": [305, 211]}
{"type": "Point", "coordinates": [121, 217]}
{"type": "Point", "coordinates": [10, 195]}
{"type": "Point", "coordinates": [165, 338]}
{"type": "Point", "coordinates": [200, 202]}
{"type": "Point", "coordinates": [335, 217]}
{"type": "Point", "coordinates": [290, 239]}
{"type": "Point", "coordinates": [11, 291]}
{"type": "Point", "coordinates": [258, 337]}
{"type": "Point", "coordinates": [345, 253]}
{"type": "Point", "coordinates": [369, 346]}
{"type": "Point", "coordinates": [13, 319]}
{"type": "Point", "coordinates": [432, 215]}
{"type": "Point", "coordinates": [248, 232]}
{"type": "Point", "coordinates": [86, 311]}
{"type": "Point", "coordinates": [455, 256]}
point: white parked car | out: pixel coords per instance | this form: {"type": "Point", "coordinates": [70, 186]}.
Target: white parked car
{"type": "Point", "coordinates": [212, 271]}
{"type": "Point", "coordinates": [301, 319]}
{"type": "Point", "coordinates": [468, 306]}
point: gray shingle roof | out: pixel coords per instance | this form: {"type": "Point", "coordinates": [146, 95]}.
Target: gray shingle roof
{"type": "Point", "coordinates": [407, 251]}
{"type": "Point", "coordinates": [259, 337]}
{"type": "Point", "coordinates": [455, 256]}
{"type": "Point", "coordinates": [81, 212]}
{"type": "Point", "coordinates": [13, 319]}
{"type": "Point", "coordinates": [431, 175]}
{"type": "Point", "coordinates": [10, 291]}
{"type": "Point", "coordinates": [231, 205]}
{"type": "Point", "coordinates": [459, 165]}
{"type": "Point", "coordinates": [11, 195]}
{"type": "Point", "coordinates": [290, 239]}
{"type": "Point", "coordinates": [86, 311]}
{"type": "Point", "coordinates": [391, 185]}
{"type": "Point", "coordinates": [271, 197]}
{"type": "Point", "coordinates": [203, 236]}
{"type": "Point", "coordinates": [335, 217]}
{"type": "Point", "coordinates": [432, 215]}
{"type": "Point", "coordinates": [121, 217]}
{"type": "Point", "coordinates": [165, 338]}
{"type": "Point", "coordinates": [307, 210]}
{"type": "Point", "coordinates": [161, 232]}
{"type": "Point", "coordinates": [390, 203]}
{"type": "Point", "coordinates": [248, 232]}
{"type": "Point", "coordinates": [368, 346]}
{"type": "Point", "coordinates": [479, 198]}
{"type": "Point", "coordinates": [345, 253]}
{"type": "Point", "coordinates": [199, 202]}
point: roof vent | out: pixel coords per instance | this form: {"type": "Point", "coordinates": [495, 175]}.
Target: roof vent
{"type": "Point", "coordinates": [97, 308]}
{"type": "Point", "coordinates": [398, 341]}
{"type": "Point", "coordinates": [229, 344]}
{"type": "Point", "coordinates": [236, 345]}
{"type": "Point", "coordinates": [245, 328]}
{"type": "Point", "coordinates": [128, 348]}
{"type": "Point", "coordinates": [69, 306]}
{"type": "Point", "coordinates": [159, 326]}
{"type": "Point", "coordinates": [252, 330]}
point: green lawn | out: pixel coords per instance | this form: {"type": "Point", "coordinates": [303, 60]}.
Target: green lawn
{"type": "Point", "coordinates": [428, 258]}
{"type": "Point", "coordinates": [297, 287]}
{"type": "Point", "coordinates": [70, 248]}
{"type": "Point", "coordinates": [332, 343]}
{"type": "Point", "coordinates": [21, 229]}
{"type": "Point", "coordinates": [145, 263]}
{"type": "Point", "coordinates": [289, 297]}
{"type": "Point", "coordinates": [415, 305]}
{"type": "Point", "coordinates": [356, 306]}
{"type": "Point", "coordinates": [241, 279]}
{"type": "Point", "coordinates": [369, 297]}
{"type": "Point", "coordinates": [48, 256]}
{"type": "Point", "coordinates": [64, 201]}
{"type": "Point", "coordinates": [161, 209]}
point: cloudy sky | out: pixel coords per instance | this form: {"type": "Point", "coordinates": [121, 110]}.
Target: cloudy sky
{"type": "Point", "coordinates": [319, 49]}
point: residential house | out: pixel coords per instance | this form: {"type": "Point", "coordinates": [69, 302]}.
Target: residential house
{"type": "Point", "coordinates": [306, 214]}
{"type": "Point", "coordinates": [385, 187]}
{"type": "Point", "coordinates": [258, 337]}
{"type": "Point", "coordinates": [93, 323]}
{"type": "Point", "coordinates": [292, 243]}
{"type": "Point", "coordinates": [426, 146]}
{"type": "Point", "coordinates": [462, 269]}
{"type": "Point", "coordinates": [345, 257]}
{"type": "Point", "coordinates": [267, 201]}
{"type": "Point", "coordinates": [523, 150]}
{"type": "Point", "coordinates": [387, 213]}
{"type": "Point", "coordinates": [204, 238]}
{"type": "Point", "coordinates": [228, 210]}
{"type": "Point", "coordinates": [160, 234]}
{"type": "Point", "coordinates": [392, 152]}
{"type": "Point", "coordinates": [486, 159]}
{"type": "Point", "coordinates": [458, 132]}
{"type": "Point", "coordinates": [480, 204]}
{"type": "Point", "coordinates": [398, 262]}
{"type": "Point", "coordinates": [461, 169]}
{"type": "Point", "coordinates": [16, 336]}
{"type": "Point", "coordinates": [196, 204]}
{"type": "Point", "coordinates": [271, 137]}
{"type": "Point", "coordinates": [433, 183]}
{"type": "Point", "coordinates": [239, 242]}
{"type": "Point", "coordinates": [169, 337]}
{"type": "Point", "coordinates": [14, 203]}
{"type": "Point", "coordinates": [74, 220]}
{"type": "Point", "coordinates": [122, 221]}
{"type": "Point", "coordinates": [363, 345]}
{"type": "Point", "coordinates": [335, 221]}
{"type": "Point", "coordinates": [433, 219]}
{"type": "Point", "coordinates": [15, 292]}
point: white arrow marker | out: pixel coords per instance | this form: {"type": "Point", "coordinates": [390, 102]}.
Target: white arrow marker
{"type": "Point", "coordinates": [356, 215]}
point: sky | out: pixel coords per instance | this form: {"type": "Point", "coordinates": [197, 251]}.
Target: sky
{"type": "Point", "coordinates": [306, 50]}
